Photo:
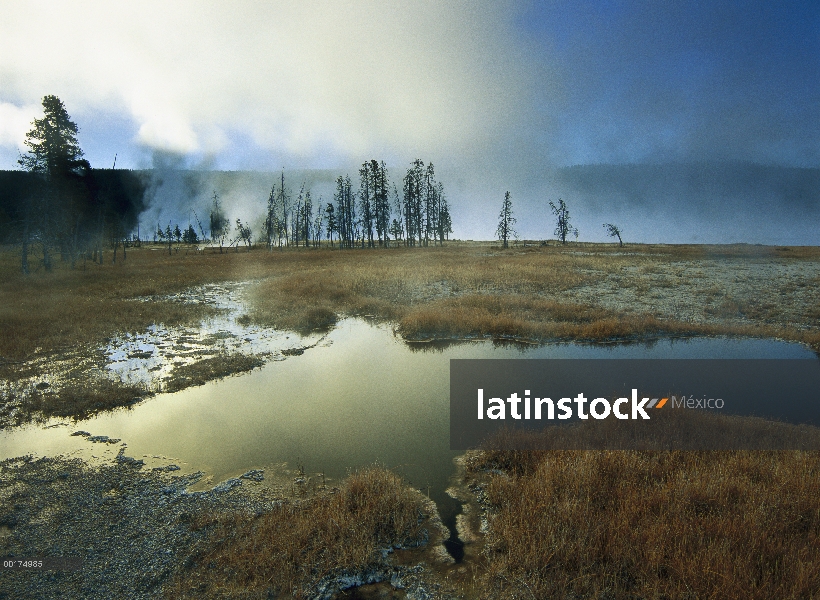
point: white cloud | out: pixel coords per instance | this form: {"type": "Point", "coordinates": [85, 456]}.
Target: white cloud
{"type": "Point", "coordinates": [298, 77]}
{"type": "Point", "coordinates": [15, 122]}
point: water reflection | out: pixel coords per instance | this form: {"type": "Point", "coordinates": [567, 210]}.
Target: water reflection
{"type": "Point", "coordinates": [359, 396]}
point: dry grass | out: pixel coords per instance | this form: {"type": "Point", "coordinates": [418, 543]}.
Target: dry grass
{"type": "Point", "coordinates": [208, 369]}
{"type": "Point", "coordinates": [461, 289]}
{"type": "Point", "coordinates": [577, 292]}
{"type": "Point", "coordinates": [297, 547]}
{"type": "Point", "coordinates": [76, 399]}
{"type": "Point", "coordinates": [547, 293]}
{"type": "Point", "coordinates": [630, 524]}
{"type": "Point", "coordinates": [65, 308]}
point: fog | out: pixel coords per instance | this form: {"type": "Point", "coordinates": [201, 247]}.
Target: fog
{"type": "Point", "coordinates": [498, 95]}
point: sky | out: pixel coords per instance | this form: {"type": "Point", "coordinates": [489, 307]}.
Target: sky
{"type": "Point", "coordinates": [498, 95]}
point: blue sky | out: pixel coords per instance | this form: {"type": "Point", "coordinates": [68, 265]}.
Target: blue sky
{"type": "Point", "coordinates": [495, 94]}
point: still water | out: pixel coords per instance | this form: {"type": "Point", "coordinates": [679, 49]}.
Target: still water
{"type": "Point", "coordinates": [360, 396]}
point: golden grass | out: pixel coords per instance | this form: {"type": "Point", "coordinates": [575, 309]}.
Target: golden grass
{"type": "Point", "coordinates": [208, 369]}
{"type": "Point", "coordinates": [629, 524]}
{"type": "Point", "coordinates": [65, 308]}
{"type": "Point", "coordinates": [458, 290]}
{"type": "Point", "coordinates": [290, 550]}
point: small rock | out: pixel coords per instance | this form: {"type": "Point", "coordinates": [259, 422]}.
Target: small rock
{"type": "Point", "coordinates": [166, 469]}
{"type": "Point", "coordinates": [227, 485]}
{"type": "Point", "coordinates": [82, 433]}
{"type": "Point", "coordinates": [254, 474]}
{"type": "Point", "coordinates": [130, 461]}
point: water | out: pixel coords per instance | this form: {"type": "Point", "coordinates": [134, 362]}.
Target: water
{"type": "Point", "coordinates": [360, 395]}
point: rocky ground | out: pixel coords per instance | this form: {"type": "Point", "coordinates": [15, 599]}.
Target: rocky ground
{"type": "Point", "coordinates": [132, 529]}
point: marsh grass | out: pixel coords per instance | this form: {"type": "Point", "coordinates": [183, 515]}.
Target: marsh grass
{"type": "Point", "coordinates": [458, 290]}
{"type": "Point", "coordinates": [208, 369]}
{"type": "Point", "coordinates": [77, 399]}
{"type": "Point", "coordinates": [297, 546]}
{"type": "Point", "coordinates": [665, 524]}
{"type": "Point", "coordinates": [49, 312]}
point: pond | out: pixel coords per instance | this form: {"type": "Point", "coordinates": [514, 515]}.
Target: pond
{"type": "Point", "coordinates": [360, 395]}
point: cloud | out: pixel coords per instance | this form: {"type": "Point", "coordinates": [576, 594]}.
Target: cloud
{"type": "Point", "coordinates": [15, 122]}
{"type": "Point", "coordinates": [300, 78]}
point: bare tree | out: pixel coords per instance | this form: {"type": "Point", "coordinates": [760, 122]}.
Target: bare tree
{"type": "Point", "coordinates": [219, 223]}
{"type": "Point", "coordinates": [563, 226]}
{"type": "Point", "coordinates": [506, 221]}
{"type": "Point", "coordinates": [614, 231]}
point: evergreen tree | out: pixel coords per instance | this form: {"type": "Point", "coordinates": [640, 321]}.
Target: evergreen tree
{"type": "Point", "coordinates": [506, 221]}
{"type": "Point", "coordinates": [189, 236]}
{"type": "Point", "coordinates": [219, 223]}
{"type": "Point", "coordinates": [54, 214]}
{"type": "Point", "coordinates": [331, 222]}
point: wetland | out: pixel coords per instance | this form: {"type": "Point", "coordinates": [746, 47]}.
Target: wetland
{"type": "Point", "coordinates": [339, 360]}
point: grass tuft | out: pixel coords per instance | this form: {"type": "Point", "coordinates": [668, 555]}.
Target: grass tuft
{"type": "Point", "coordinates": [299, 546]}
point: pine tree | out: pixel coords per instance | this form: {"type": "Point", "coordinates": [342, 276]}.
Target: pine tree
{"type": "Point", "coordinates": [506, 221]}
{"type": "Point", "coordinates": [55, 155]}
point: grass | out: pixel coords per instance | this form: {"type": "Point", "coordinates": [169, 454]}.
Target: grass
{"type": "Point", "coordinates": [211, 368]}
{"type": "Point", "coordinates": [592, 292]}
{"type": "Point", "coordinates": [76, 399]}
{"type": "Point", "coordinates": [299, 547]}
{"type": "Point", "coordinates": [640, 524]}
{"type": "Point", "coordinates": [548, 293]}
{"type": "Point", "coordinates": [577, 523]}
{"type": "Point", "coordinates": [582, 291]}
{"type": "Point", "coordinates": [47, 312]}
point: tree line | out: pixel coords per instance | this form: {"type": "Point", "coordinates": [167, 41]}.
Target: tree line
{"type": "Point", "coordinates": [375, 215]}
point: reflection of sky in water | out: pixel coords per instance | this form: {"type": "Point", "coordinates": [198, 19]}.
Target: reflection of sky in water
{"type": "Point", "coordinates": [360, 395]}
{"type": "Point", "coordinates": [152, 355]}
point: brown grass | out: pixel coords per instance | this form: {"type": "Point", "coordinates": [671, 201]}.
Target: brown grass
{"type": "Point", "coordinates": [479, 290]}
{"type": "Point", "coordinates": [295, 548]}
{"type": "Point", "coordinates": [461, 289]}
{"type": "Point", "coordinates": [76, 399]}
{"type": "Point", "coordinates": [630, 524]}
{"type": "Point", "coordinates": [208, 369]}
{"type": "Point", "coordinates": [595, 292]}
{"type": "Point", "coordinates": [65, 308]}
